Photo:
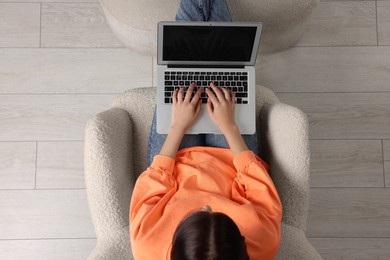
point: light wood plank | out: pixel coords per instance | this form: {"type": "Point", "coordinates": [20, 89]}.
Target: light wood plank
{"type": "Point", "coordinates": [54, 1]}
{"type": "Point", "coordinates": [40, 214]}
{"type": "Point", "coordinates": [386, 150]}
{"type": "Point", "coordinates": [20, 24]}
{"type": "Point", "coordinates": [48, 117]}
{"type": "Point", "coordinates": [346, 0]}
{"type": "Point", "coordinates": [346, 163]}
{"type": "Point", "coordinates": [349, 212]}
{"type": "Point", "coordinates": [326, 69]}
{"type": "Point", "coordinates": [344, 115]}
{"type": "Point", "coordinates": [342, 23]}
{"type": "Point", "coordinates": [76, 25]}
{"type": "Point", "coordinates": [73, 70]}
{"type": "Point", "coordinates": [60, 165]}
{"type": "Point", "coordinates": [59, 249]}
{"type": "Point", "coordinates": [383, 22]}
{"type": "Point", "coordinates": [352, 248]}
{"type": "Point", "coordinates": [17, 165]}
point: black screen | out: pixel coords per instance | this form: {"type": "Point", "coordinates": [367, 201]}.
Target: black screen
{"type": "Point", "coordinates": [208, 43]}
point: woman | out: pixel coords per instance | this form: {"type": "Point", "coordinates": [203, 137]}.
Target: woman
{"type": "Point", "coordinates": [212, 199]}
{"type": "Point", "coordinates": [205, 202]}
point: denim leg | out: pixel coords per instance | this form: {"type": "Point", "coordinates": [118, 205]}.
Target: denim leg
{"type": "Point", "coordinates": [252, 143]}
{"type": "Point", "coordinates": [203, 10]}
{"type": "Point", "coordinates": [192, 140]}
{"type": "Point", "coordinates": [220, 141]}
{"type": "Point", "coordinates": [219, 11]}
{"type": "Point", "coordinates": [213, 140]}
{"type": "Point", "coordinates": [157, 140]}
{"type": "Point", "coordinates": [190, 10]}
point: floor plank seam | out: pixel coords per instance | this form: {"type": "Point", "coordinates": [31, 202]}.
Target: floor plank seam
{"type": "Point", "coordinates": [36, 165]}
{"type": "Point", "coordinates": [376, 17]}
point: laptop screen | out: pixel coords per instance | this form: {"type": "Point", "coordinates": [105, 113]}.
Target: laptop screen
{"type": "Point", "coordinates": [220, 44]}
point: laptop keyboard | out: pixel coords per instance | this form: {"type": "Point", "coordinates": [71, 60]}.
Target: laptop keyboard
{"type": "Point", "coordinates": [233, 80]}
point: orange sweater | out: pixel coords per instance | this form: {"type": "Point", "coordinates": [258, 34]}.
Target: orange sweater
{"type": "Point", "coordinates": [170, 189]}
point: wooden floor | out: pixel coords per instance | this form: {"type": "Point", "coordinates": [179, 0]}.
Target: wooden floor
{"type": "Point", "coordinates": [60, 64]}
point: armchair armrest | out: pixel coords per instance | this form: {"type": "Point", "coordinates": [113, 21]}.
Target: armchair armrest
{"type": "Point", "coordinates": [108, 158]}
{"type": "Point", "coordinates": [286, 141]}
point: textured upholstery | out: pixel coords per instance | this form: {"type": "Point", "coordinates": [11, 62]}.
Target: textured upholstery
{"type": "Point", "coordinates": [115, 154]}
{"type": "Point", "coordinates": [135, 22]}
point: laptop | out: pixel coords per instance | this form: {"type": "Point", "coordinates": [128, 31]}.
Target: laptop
{"type": "Point", "coordinates": [203, 52]}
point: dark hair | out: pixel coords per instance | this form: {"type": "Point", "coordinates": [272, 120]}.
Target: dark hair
{"type": "Point", "coordinates": [208, 236]}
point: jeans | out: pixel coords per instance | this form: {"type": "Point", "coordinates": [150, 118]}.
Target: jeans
{"type": "Point", "coordinates": [157, 140]}
{"type": "Point", "coordinates": [203, 10]}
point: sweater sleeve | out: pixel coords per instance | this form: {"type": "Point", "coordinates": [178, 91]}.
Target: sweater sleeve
{"type": "Point", "coordinates": [153, 187]}
{"type": "Point", "coordinates": [257, 187]}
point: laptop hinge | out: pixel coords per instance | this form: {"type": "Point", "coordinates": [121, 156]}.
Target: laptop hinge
{"type": "Point", "coordinates": [206, 66]}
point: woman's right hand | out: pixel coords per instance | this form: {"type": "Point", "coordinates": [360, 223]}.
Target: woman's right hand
{"type": "Point", "coordinates": [221, 107]}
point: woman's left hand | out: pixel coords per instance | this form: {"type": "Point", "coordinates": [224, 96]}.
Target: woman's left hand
{"type": "Point", "coordinates": [185, 110]}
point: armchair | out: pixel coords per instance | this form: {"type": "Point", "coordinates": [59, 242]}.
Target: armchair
{"type": "Point", "coordinates": [115, 154]}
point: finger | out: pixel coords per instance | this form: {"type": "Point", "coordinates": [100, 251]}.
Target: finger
{"type": "Point", "coordinates": [211, 97]}
{"type": "Point", "coordinates": [197, 95]}
{"type": "Point", "coordinates": [180, 95]}
{"type": "Point", "coordinates": [198, 108]}
{"type": "Point", "coordinates": [209, 106]}
{"type": "Point", "coordinates": [226, 94]}
{"type": "Point", "coordinates": [189, 93]}
{"type": "Point", "coordinates": [233, 96]}
{"type": "Point", "coordinates": [174, 96]}
{"type": "Point", "coordinates": [218, 92]}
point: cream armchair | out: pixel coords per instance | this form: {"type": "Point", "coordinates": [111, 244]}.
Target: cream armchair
{"type": "Point", "coordinates": [115, 154]}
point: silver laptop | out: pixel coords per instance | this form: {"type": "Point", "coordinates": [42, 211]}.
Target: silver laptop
{"type": "Point", "coordinates": [223, 53]}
